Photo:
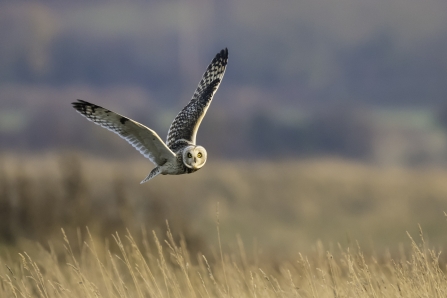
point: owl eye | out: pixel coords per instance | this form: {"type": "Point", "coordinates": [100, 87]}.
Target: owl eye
{"type": "Point", "coordinates": [189, 155]}
{"type": "Point", "coordinates": [199, 155]}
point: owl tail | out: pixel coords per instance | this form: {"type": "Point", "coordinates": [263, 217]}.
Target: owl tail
{"type": "Point", "coordinates": [152, 174]}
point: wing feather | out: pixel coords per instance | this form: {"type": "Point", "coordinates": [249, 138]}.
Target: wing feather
{"type": "Point", "coordinates": [185, 125]}
{"type": "Point", "coordinates": [144, 139]}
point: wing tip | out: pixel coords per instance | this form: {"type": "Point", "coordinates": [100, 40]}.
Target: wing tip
{"type": "Point", "coordinates": [78, 105]}
{"type": "Point", "coordinates": [80, 102]}
{"type": "Point", "coordinates": [82, 105]}
{"type": "Point", "coordinates": [222, 55]}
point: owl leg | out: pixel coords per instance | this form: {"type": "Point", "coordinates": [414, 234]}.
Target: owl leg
{"type": "Point", "coordinates": [152, 174]}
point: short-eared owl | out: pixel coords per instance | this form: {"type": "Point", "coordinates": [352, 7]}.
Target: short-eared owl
{"type": "Point", "coordinates": [180, 154]}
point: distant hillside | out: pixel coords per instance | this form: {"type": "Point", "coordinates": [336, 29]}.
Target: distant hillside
{"type": "Point", "coordinates": [381, 52]}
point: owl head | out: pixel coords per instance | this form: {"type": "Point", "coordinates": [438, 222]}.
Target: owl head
{"type": "Point", "coordinates": [194, 157]}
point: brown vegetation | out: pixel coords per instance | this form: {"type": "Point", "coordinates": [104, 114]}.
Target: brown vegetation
{"type": "Point", "coordinates": [157, 268]}
{"type": "Point", "coordinates": [279, 206]}
{"type": "Point", "coordinates": [268, 213]}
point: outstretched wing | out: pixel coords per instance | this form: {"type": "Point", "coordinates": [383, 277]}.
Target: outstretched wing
{"type": "Point", "coordinates": [185, 125]}
{"type": "Point", "coordinates": [144, 139]}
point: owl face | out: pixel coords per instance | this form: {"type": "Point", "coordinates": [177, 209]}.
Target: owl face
{"type": "Point", "coordinates": [194, 157]}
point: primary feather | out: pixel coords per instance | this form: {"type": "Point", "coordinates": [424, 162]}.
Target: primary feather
{"type": "Point", "coordinates": [144, 139]}
{"type": "Point", "coordinates": [184, 128]}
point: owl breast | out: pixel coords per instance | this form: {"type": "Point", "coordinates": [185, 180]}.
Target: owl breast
{"type": "Point", "coordinates": [177, 167]}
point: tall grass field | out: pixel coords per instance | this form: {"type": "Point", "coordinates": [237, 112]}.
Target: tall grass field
{"type": "Point", "coordinates": [162, 267]}
{"type": "Point", "coordinates": [78, 226]}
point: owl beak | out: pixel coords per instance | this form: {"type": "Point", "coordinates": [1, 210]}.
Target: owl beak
{"type": "Point", "coordinates": [194, 164]}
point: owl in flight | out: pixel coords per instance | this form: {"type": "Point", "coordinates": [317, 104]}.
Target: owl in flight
{"type": "Point", "coordinates": [180, 154]}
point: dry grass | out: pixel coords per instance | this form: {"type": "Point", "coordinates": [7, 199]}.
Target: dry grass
{"type": "Point", "coordinates": [160, 267]}
{"type": "Point", "coordinates": [279, 207]}
{"type": "Point", "coordinates": [268, 213]}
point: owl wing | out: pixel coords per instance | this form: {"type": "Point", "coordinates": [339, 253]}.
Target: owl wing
{"type": "Point", "coordinates": [144, 139]}
{"type": "Point", "coordinates": [185, 125]}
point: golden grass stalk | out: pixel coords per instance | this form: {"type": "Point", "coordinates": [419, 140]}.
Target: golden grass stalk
{"type": "Point", "coordinates": [136, 271]}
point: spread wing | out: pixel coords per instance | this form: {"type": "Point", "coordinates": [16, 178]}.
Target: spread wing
{"type": "Point", "coordinates": [185, 125]}
{"type": "Point", "coordinates": [144, 139]}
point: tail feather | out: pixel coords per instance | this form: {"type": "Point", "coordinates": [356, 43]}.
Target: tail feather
{"type": "Point", "coordinates": [152, 174]}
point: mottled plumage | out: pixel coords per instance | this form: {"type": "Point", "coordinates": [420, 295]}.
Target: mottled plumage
{"type": "Point", "coordinates": [185, 125]}
{"type": "Point", "coordinates": [180, 154]}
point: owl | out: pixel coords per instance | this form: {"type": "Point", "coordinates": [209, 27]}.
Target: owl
{"type": "Point", "coordinates": [180, 154]}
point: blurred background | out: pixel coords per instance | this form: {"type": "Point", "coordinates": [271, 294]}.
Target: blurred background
{"type": "Point", "coordinates": [330, 123]}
